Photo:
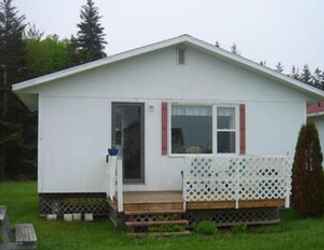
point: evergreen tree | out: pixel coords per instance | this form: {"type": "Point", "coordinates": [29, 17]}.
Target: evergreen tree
{"type": "Point", "coordinates": [90, 37]}
{"type": "Point", "coordinates": [294, 73]}
{"type": "Point", "coordinates": [14, 116]}
{"type": "Point", "coordinates": [306, 75]}
{"type": "Point", "coordinates": [263, 63]}
{"type": "Point", "coordinates": [217, 44]}
{"type": "Point", "coordinates": [308, 179]}
{"type": "Point", "coordinates": [234, 49]}
{"type": "Point", "coordinates": [279, 67]}
{"type": "Point", "coordinates": [74, 51]}
{"type": "Point", "coordinates": [12, 48]}
{"type": "Point", "coordinates": [321, 79]}
{"type": "Point", "coordinates": [318, 78]}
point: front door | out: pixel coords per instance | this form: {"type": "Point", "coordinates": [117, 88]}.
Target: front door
{"type": "Point", "coordinates": [128, 135]}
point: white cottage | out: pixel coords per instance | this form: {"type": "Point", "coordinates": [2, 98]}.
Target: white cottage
{"type": "Point", "coordinates": [199, 128]}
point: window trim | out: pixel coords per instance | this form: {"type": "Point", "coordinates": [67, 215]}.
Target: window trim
{"type": "Point", "coordinates": [236, 129]}
{"type": "Point", "coordinates": [214, 107]}
{"type": "Point", "coordinates": [170, 128]}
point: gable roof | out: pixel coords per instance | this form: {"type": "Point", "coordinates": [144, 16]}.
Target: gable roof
{"type": "Point", "coordinates": [183, 39]}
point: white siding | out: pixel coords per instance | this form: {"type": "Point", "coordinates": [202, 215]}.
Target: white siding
{"type": "Point", "coordinates": [75, 117]}
{"type": "Point", "coordinates": [73, 139]}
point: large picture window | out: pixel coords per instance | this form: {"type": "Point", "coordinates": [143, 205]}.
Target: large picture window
{"type": "Point", "coordinates": [191, 129]}
{"type": "Point", "coordinates": [226, 130]}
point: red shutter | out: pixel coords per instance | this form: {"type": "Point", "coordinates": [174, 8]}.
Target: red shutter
{"type": "Point", "coordinates": [242, 129]}
{"type": "Point", "coordinates": [164, 113]}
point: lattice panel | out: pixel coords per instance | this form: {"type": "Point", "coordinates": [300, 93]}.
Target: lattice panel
{"type": "Point", "coordinates": [60, 204]}
{"type": "Point", "coordinates": [231, 217]}
{"type": "Point", "coordinates": [237, 178]}
{"type": "Point", "coordinates": [154, 217]}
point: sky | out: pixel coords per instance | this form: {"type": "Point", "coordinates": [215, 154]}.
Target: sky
{"type": "Point", "coordinates": [286, 31]}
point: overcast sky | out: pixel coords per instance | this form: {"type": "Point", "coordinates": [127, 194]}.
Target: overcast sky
{"type": "Point", "coordinates": [290, 31]}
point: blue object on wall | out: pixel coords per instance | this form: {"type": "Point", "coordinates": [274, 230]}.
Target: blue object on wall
{"type": "Point", "coordinates": [113, 151]}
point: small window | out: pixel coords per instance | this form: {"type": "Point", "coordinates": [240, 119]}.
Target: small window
{"type": "Point", "coordinates": [191, 129]}
{"type": "Point", "coordinates": [226, 130]}
{"type": "Point", "coordinates": [181, 55]}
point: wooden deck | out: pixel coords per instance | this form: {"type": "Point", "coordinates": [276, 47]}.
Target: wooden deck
{"type": "Point", "coordinates": [143, 210]}
{"type": "Point", "coordinates": [152, 197]}
{"type": "Point", "coordinates": [153, 202]}
{"type": "Point", "coordinates": [171, 202]}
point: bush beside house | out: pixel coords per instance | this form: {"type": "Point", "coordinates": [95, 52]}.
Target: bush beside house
{"type": "Point", "coordinates": [308, 178]}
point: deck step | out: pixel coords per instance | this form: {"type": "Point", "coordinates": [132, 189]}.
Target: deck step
{"type": "Point", "coordinates": [161, 211]}
{"type": "Point", "coordinates": [25, 234]}
{"type": "Point", "coordinates": [153, 223]}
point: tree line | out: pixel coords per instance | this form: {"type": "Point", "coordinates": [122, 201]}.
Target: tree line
{"type": "Point", "coordinates": [26, 53]}
{"type": "Point", "coordinates": [315, 78]}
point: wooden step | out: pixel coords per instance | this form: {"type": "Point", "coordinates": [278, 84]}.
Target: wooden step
{"type": "Point", "coordinates": [162, 211]}
{"type": "Point", "coordinates": [147, 208]}
{"type": "Point", "coordinates": [159, 234]}
{"type": "Point", "coordinates": [25, 234]}
{"type": "Point", "coordinates": [153, 223]}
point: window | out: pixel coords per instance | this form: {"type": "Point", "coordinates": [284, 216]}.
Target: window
{"type": "Point", "coordinates": [226, 130]}
{"type": "Point", "coordinates": [181, 55]}
{"type": "Point", "coordinates": [191, 129]}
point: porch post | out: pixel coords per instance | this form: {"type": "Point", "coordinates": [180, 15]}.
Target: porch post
{"type": "Point", "coordinates": [288, 174]}
{"type": "Point", "coordinates": [112, 176]}
{"type": "Point", "coordinates": [120, 194]}
{"type": "Point", "coordinates": [237, 184]}
{"type": "Point", "coordinates": [287, 201]}
{"type": "Point", "coordinates": [184, 205]}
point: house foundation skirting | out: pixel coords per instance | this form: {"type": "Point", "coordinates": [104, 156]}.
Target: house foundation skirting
{"type": "Point", "coordinates": [68, 203]}
{"type": "Point", "coordinates": [230, 217]}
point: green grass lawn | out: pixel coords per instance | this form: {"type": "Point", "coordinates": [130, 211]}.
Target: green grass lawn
{"type": "Point", "coordinates": [21, 200]}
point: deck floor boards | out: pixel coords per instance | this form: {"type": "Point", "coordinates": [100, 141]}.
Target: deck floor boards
{"type": "Point", "coordinates": [171, 201]}
{"type": "Point", "coordinates": [152, 197]}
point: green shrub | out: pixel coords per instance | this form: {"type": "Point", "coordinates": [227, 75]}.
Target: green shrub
{"type": "Point", "coordinates": [308, 180]}
{"type": "Point", "coordinates": [166, 228]}
{"type": "Point", "coordinates": [205, 227]}
{"type": "Point", "coordinates": [240, 228]}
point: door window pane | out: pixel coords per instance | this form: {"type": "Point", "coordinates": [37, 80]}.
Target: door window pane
{"type": "Point", "coordinates": [128, 135]}
{"type": "Point", "coordinates": [191, 129]}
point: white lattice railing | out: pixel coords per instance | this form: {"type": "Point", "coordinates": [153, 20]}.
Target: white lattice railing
{"type": "Point", "coordinates": [115, 173]}
{"type": "Point", "coordinates": [237, 178]}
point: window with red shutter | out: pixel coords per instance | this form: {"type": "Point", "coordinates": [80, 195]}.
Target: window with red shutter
{"type": "Point", "coordinates": [242, 129]}
{"type": "Point", "coordinates": [164, 119]}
